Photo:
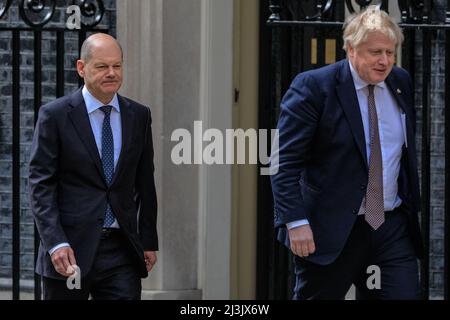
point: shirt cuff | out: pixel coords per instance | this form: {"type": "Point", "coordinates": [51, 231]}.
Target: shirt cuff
{"type": "Point", "coordinates": [297, 223]}
{"type": "Point", "coordinates": [61, 245]}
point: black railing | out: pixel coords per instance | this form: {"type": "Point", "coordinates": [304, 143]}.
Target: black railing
{"type": "Point", "coordinates": [36, 17]}
{"type": "Point", "coordinates": [301, 35]}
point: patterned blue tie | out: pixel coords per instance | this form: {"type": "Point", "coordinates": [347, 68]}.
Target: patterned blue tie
{"type": "Point", "coordinates": [108, 159]}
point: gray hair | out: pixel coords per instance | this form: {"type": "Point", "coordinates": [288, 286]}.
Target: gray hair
{"type": "Point", "coordinates": [372, 19]}
{"type": "Point", "coordinates": [89, 43]}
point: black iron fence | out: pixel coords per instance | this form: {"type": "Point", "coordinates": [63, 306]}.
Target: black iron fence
{"type": "Point", "coordinates": [26, 26]}
{"type": "Point", "coordinates": [300, 35]}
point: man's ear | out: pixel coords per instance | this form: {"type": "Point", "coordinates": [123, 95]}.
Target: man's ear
{"type": "Point", "coordinates": [80, 68]}
{"type": "Point", "coordinates": [350, 51]}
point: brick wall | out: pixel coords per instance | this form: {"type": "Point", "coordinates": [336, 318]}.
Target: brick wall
{"type": "Point", "coordinates": [12, 19]}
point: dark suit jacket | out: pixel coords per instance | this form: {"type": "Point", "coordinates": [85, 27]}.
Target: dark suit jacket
{"type": "Point", "coordinates": [68, 189]}
{"type": "Point", "coordinates": [323, 167]}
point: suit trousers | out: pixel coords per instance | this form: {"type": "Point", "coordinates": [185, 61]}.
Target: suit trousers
{"type": "Point", "coordinates": [113, 276]}
{"type": "Point", "coordinates": [388, 249]}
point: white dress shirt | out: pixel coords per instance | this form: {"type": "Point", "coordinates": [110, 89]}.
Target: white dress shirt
{"type": "Point", "coordinates": [392, 130]}
{"type": "Point", "coordinates": [96, 117]}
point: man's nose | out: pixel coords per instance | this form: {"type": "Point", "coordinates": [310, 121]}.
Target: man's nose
{"type": "Point", "coordinates": [111, 72]}
{"type": "Point", "coordinates": [384, 59]}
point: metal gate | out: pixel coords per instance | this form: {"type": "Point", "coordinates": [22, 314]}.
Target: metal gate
{"type": "Point", "coordinates": [300, 35]}
{"type": "Point", "coordinates": [31, 25]}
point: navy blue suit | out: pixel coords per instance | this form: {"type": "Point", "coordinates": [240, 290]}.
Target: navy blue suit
{"type": "Point", "coordinates": [323, 165]}
{"type": "Point", "coordinates": [69, 191]}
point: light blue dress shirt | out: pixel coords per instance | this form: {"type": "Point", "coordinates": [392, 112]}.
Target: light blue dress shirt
{"type": "Point", "coordinates": [96, 117]}
{"type": "Point", "coordinates": [392, 130]}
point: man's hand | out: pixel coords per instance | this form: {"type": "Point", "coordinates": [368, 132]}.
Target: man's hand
{"type": "Point", "coordinates": [150, 259]}
{"type": "Point", "coordinates": [63, 259]}
{"type": "Point", "coordinates": [302, 241]}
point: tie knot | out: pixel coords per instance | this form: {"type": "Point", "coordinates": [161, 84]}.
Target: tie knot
{"type": "Point", "coordinates": [106, 110]}
{"type": "Point", "coordinates": [370, 87]}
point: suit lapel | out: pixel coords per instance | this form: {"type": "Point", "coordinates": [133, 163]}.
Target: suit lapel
{"type": "Point", "coordinates": [399, 96]}
{"type": "Point", "coordinates": [349, 102]}
{"type": "Point", "coordinates": [127, 120]}
{"type": "Point", "coordinates": [80, 120]}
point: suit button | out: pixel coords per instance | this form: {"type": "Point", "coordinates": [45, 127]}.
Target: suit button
{"type": "Point", "coordinates": [363, 187]}
{"type": "Point", "coordinates": [355, 211]}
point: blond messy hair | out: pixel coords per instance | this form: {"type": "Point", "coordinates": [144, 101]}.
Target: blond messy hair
{"type": "Point", "coordinates": [372, 19]}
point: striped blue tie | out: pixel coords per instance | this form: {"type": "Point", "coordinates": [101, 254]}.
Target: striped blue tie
{"type": "Point", "coordinates": [108, 159]}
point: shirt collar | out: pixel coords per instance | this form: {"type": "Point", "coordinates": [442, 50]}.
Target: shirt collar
{"type": "Point", "coordinates": [93, 104]}
{"type": "Point", "coordinates": [360, 83]}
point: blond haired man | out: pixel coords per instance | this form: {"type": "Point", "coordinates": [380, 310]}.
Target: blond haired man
{"type": "Point", "coordinates": [346, 193]}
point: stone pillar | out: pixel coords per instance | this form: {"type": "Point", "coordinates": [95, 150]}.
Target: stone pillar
{"type": "Point", "coordinates": [178, 60]}
{"type": "Point", "coordinates": [216, 103]}
{"type": "Point", "coordinates": [161, 48]}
